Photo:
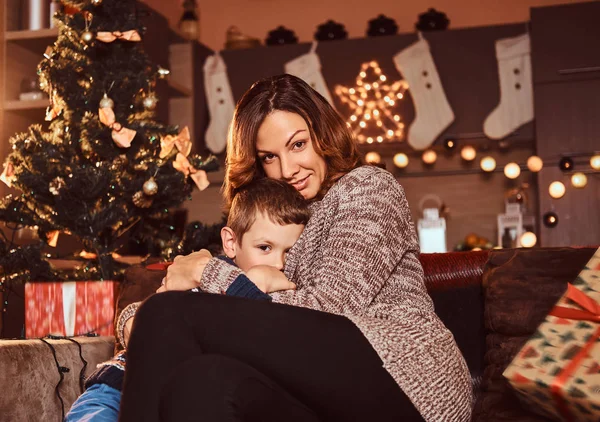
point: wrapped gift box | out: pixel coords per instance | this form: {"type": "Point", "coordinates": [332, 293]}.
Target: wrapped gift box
{"type": "Point", "coordinates": [69, 308]}
{"type": "Point", "coordinates": [557, 372]}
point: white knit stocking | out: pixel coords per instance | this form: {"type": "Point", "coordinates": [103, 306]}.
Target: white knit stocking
{"type": "Point", "coordinates": [516, 92]}
{"type": "Point", "coordinates": [220, 102]}
{"type": "Point", "coordinates": [308, 68]}
{"type": "Point", "coordinates": [432, 111]}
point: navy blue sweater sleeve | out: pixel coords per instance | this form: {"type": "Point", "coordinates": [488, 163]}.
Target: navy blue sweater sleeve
{"type": "Point", "coordinates": [242, 286]}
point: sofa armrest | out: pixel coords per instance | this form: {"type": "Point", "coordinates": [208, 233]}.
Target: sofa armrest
{"type": "Point", "coordinates": [30, 375]}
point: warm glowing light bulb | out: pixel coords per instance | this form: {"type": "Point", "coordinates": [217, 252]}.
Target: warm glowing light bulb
{"type": "Point", "coordinates": [595, 162]}
{"type": "Point", "coordinates": [353, 118]}
{"type": "Point", "coordinates": [400, 95]}
{"type": "Point", "coordinates": [397, 118]}
{"type": "Point", "coordinates": [488, 164]}
{"type": "Point", "coordinates": [468, 153]}
{"type": "Point", "coordinates": [512, 170]}
{"type": "Point", "coordinates": [362, 74]}
{"type": "Point", "coordinates": [352, 91]}
{"type": "Point", "coordinates": [376, 112]}
{"type": "Point", "coordinates": [362, 124]}
{"type": "Point", "coordinates": [383, 78]}
{"type": "Point", "coordinates": [534, 163]}
{"type": "Point", "coordinates": [528, 240]}
{"type": "Point", "coordinates": [557, 190]}
{"type": "Point", "coordinates": [401, 160]}
{"type": "Point", "coordinates": [360, 103]}
{"type": "Point", "coordinates": [579, 180]}
{"type": "Point", "coordinates": [390, 132]}
{"type": "Point", "coordinates": [373, 158]}
{"type": "Point", "coordinates": [429, 157]}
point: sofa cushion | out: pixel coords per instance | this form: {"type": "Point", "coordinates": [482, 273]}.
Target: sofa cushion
{"type": "Point", "coordinates": [520, 287]}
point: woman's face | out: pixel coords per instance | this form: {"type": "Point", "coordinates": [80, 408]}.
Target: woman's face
{"type": "Point", "coordinates": [286, 152]}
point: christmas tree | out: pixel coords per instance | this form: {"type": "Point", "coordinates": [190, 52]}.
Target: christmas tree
{"type": "Point", "coordinates": [103, 165]}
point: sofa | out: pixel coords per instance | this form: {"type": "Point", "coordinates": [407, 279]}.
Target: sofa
{"type": "Point", "coordinates": [492, 301]}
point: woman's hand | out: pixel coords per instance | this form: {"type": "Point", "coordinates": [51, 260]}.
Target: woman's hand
{"type": "Point", "coordinates": [186, 271]}
{"type": "Point", "coordinates": [269, 279]}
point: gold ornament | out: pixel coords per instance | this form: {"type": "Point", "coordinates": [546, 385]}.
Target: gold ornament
{"type": "Point", "coordinates": [141, 201]}
{"type": "Point", "coordinates": [150, 187]}
{"type": "Point", "coordinates": [150, 101]}
{"type": "Point", "coordinates": [87, 36]}
{"type": "Point", "coordinates": [106, 102]}
{"type": "Point", "coordinates": [56, 185]}
{"type": "Point", "coordinates": [119, 162]}
{"type": "Point", "coordinates": [85, 146]}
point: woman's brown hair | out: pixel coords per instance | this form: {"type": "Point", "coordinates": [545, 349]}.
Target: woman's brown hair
{"type": "Point", "coordinates": [332, 139]}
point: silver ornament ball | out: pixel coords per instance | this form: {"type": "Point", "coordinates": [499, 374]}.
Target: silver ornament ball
{"type": "Point", "coordinates": [150, 187]}
{"type": "Point", "coordinates": [106, 102]}
{"type": "Point", "coordinates": [150, 101]}
{"type": "Point", "coordinates": [87, 36]}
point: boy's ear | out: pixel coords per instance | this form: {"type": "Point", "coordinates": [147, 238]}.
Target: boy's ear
{"type": "Point", "coordinates": [229, 241]}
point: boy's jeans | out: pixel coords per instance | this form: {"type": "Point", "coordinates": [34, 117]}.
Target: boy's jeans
{"type": "Point", "coordinates": [99, 403]}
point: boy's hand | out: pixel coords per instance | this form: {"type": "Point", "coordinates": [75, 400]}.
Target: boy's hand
{"type": "Point", "coordinates": [269, 279]}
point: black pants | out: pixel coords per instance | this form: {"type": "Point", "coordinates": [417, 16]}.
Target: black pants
{"type": "Point", "coordinates": [200, 357]}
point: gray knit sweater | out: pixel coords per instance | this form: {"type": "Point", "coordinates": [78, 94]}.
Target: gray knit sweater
{"type": "Point", "coordinates": [358, 257]}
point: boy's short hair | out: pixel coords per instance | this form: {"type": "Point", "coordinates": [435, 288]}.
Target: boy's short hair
{"type": "Point", "coordinates": [278, 200]}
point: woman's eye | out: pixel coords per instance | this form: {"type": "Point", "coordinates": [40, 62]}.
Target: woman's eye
{"type": "Point", "coordinates": [268, 158]}
{"type": "Point", "coordinates": [299, 144]}
{"type": "Point", "coordinates": [264, 248]}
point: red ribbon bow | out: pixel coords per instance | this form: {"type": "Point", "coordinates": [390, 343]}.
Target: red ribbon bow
{"type": "Point", "coordinates": [131, 35]}
{"type": "Point", "coordinates": [590, 312]}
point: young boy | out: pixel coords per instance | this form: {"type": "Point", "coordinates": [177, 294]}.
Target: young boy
{"type": "Point", "coordinates": [265, 220]}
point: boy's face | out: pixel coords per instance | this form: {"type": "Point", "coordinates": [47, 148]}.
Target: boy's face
{"type": "Point", "coordinates": [266, 243]}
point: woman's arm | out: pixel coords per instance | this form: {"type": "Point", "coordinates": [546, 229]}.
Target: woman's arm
{"type": "Point", "coordinates": [371, 236]}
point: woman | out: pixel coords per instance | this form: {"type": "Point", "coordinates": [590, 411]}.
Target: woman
{"type": "Point", "coordinates": [369, 348]}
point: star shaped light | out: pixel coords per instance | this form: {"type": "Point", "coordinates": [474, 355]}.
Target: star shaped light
{"type": "Point", "coordinates": [371, 102]}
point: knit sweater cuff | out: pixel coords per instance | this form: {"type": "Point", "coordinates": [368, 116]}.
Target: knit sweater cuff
{"type": "Point", "coordinates": [218, 276]}
{"type": "Point", "coordinates": [242, 286]}
{"type": "Point", "coordinates": [126, 315]}
{"type": "Point", "coordinates": [110, 373]}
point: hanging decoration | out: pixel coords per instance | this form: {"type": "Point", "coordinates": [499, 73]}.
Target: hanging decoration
{"type": "Point", "coordinates": [488, 164]}
{"type": "Point", "coordinates": [371, 102]}
{"type": "Point", "coordinates": [220, 102]}
{"type": "Point", "coordinates": [429, 157]}
{"type": "Point", "coordinates": [188, 24]}
{"type": "Point", "coordinates": [535, 163]}
{"type": "Point", "coordinates": [512, 170]}
{"type": "Point", "coordinates": [401, 160]}
{"type": "Point", "coordinates": [468, 153]}
{"type": "Point", "coordinates": [308, 68]}
{"type": "Point", "coordinates": [595, 162]}
{"type": "Point", "coordinates": [516, 88]}
{"type": "Point", "coordinates": [550, 219]}
{"type": "Point", "coordinates": [557, 190]}
{"type": "Point", "coordinates": [432, 111]}
{"type": "Point", "coordinates": [579, 180]}
{"type": "Point", "coordinates": [566, 164]}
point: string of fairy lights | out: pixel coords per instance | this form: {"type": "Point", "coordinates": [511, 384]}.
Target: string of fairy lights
{"type": "Point", "coordinates": [373, 120]}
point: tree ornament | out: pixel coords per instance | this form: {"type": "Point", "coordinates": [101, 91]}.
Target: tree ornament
{"type": "Point", "coordinates": [141, 201]}
{"type": "Point", "coordinates": [150, 187]}
{"type": "Point", "coordinates": [56, 185]}
{"type": "Point", "coordinates": [566, 164]}
{"type": "Point", "coordinates": [106, 102]}
{"type": "Point", "coordinates": [550, 219]}
{"type": "Point", "coordinates": [87, 36]}
{"type": "Point", "coordinates": [150, 101]}
{"type": "Point", "coordinates": [96, 2]}
{"type": "Point", "coordinates": [163, 73]}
